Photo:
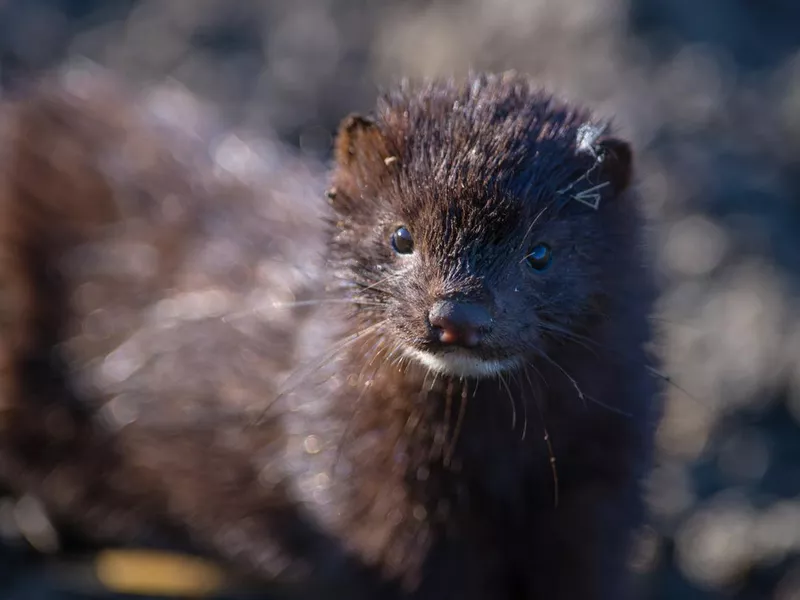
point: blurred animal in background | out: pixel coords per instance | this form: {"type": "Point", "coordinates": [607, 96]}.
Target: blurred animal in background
{"type": "Point", "coordinates": [140, 276]}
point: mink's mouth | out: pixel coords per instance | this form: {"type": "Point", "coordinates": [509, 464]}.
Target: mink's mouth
{"type": "Point", "coordinates": [462, 363]}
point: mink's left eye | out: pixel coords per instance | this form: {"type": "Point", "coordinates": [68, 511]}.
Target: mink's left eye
{"type": "Point", "coordinates": [540, 257]}
{"type": "Point", "coordinates": [402, 242]}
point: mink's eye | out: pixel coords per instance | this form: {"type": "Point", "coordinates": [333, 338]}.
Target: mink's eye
{"type": "Point", "coordinates": [402, 242]}
{"type": "Point", "coordinates": [540, 257]}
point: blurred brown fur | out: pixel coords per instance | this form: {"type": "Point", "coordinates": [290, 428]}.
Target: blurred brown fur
{"type": "Point", "coordinates": [127, 402]}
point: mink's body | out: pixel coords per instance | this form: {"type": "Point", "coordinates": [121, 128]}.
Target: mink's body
{"type": "Point", "coordinates": [504, 463]}
{"type": "Point", "coordinates": [469, 415]}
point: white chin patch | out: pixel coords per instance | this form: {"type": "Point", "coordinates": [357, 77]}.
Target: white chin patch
{"type": "Point", "coordinates": [461, 364]}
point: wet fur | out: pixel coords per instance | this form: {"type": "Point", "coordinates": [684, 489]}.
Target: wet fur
{"type": "Point", "coordinates": [309, 444]}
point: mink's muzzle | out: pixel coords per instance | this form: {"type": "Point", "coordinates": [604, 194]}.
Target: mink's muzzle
{"type": "Point", "coordinates": [459, 339]}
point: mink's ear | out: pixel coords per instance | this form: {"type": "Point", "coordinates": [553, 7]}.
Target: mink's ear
{"type": "Point", "coordinates": [364, 160]}
{"type": "Point", "coordinates": [616, 165]}
{"type": "Point", "coordinates": [359, 141]}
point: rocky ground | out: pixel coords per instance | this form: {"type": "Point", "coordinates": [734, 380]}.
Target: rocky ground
{"type": "Point", "coordinates": [710, 94]}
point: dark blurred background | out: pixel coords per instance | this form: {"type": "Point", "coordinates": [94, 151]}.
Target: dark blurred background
{"type": "Point", "coordinates": [708, 91]}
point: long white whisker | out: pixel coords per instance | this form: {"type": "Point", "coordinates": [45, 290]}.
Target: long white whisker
{"type": "Point", "coordinates": [530, 227]}
{"type": "Point", "coordinates": [301, 375]}
{"type": "Point", "coordinates": [319, 301]}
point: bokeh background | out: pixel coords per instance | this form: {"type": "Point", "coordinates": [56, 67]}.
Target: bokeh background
{"type": "Point", "coordinates": [709, 93]}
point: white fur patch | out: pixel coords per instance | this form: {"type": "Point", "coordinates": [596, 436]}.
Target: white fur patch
{"type": "Point", "coordinates": [461, 364]}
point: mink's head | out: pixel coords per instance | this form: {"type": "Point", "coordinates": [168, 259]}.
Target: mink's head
{"type": "Point", "coordinates": [480, 224]}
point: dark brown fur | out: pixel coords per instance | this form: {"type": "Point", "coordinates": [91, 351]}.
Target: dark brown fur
{"type": "Point", "coordinates": [362, 469]}
{"type": "Point", "coordinates": [479, 172]}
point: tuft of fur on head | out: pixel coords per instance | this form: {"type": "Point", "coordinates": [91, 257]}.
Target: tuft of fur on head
{"type": "Point", "coordinates": [478, 173]}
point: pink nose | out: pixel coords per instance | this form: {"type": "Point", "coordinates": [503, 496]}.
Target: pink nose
{"type": "Point", "coordinates": [459, 323]}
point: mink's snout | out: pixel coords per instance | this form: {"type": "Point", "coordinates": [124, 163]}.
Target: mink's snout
{"type": "Point", "coordinates": [456, 323]}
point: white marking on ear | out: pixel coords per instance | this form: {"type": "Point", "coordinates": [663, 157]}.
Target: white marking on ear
{"type": "Point", "coordinates": [586, 142]}
{"type": "Point", "coordinates": [587, 136]}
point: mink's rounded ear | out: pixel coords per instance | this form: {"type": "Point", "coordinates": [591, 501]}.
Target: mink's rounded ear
{"type": "Point", "coordinates": [364, 160]}
{"type": "Point", "coordinates": [616, 162]}
{"type": "Point", "coordinates": [359, 141]}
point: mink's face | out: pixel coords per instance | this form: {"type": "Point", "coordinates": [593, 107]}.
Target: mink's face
{"type": "Point", "coordinates": [475, 296]}
{"type": "Point", "coordinates": [472, 265]}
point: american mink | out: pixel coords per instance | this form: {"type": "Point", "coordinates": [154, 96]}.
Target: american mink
{"type": "Point", "coordinates": [469, 410]}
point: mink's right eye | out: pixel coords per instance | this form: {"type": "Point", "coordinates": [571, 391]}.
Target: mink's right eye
{"type": "Point", "coordinates": [540, 257]}
{"type": "Point", "coordinates": [402, 242]}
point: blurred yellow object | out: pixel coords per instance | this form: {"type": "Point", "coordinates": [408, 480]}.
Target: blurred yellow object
{"type": "Point", "coordinates": [145, 572]}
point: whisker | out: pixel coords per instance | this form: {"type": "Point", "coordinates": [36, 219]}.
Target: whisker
{"type": "Point", "coordinates": [364, 287]}
{"type": "Point", "coordinates": [319, 301]}
{"type": "Point", "coordinates": [475, 391]}
{"type": "Point", "coordinates": [539, 373]}
{"type": "Point", "coordinates": [384, 280]}
{"type": "Point", "coordinates": [553, 468]}
{"type": "Point", "coordinates": [530, 228]}
{"type": "Point", "coordinates": [448, 406]}
{"type": "Point", "coordinates": [395, 357]}
{"type": "Point", "coordinates": [566, 334]}
{"type": "Point", "coordinates": [581, 395]}
{"type": "Point", "coordinates": [433, 383]}
{"type": "Point", "coordinates": [425, 378]}
{"type": "Point", "coordinates": [567, 375]}
{"type": "Point", "coordinates": [592, 345]}
{"type": "Point", "coordinates": [348, 426]}
{"type": "Point", "coordinates": [666, 378]}
{"type": "Point", "coordinates": [546, 437]}
{"type": "Point", "coordinates": [525, 406]}
{"type": "Point", "coordinates": [511, 400]}
{"type": "Point", "coordinates": [368, 363]}
{"type": "Point", "coordinates": [301, 375]}
{"type": "Point", "coordinates": [462, 411]}
{"type": "Point", "coordinates": [348, 284]}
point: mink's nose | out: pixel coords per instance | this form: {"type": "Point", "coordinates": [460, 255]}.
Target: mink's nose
{"type": "Point", "coordinates": [459, 323]}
